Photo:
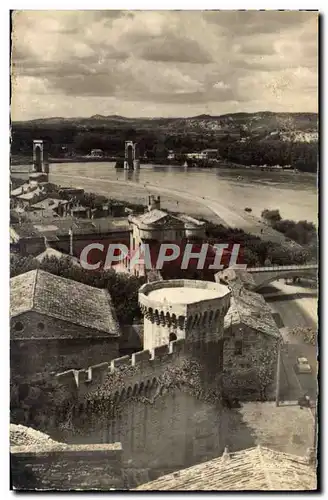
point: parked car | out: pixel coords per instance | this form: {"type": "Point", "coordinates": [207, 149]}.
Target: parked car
{"type": "Point", "coordinates": [303, 366]}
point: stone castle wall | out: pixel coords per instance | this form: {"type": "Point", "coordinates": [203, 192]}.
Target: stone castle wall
{"type": "Point", "coordinates": [153, 403]}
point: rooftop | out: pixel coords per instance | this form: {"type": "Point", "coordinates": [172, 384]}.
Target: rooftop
{"type": "Point", "coordinates": [253, 469]}
{"type": "Point", "coordinates": [157, 217]}
{"type": "Point", "coordinates": [61, 227]}
{"type": "Point", "coordinates": [183, 295]}
{"type": "Point", "coordinates": [236, 277]}
{"type": "Point", "coordinates": [250, 308]}
{"type": "Point", "coordinates": [51, 253]}
{"type": "Point", "coordinates": [49, 203]}
{"type": "Point", "coordinates": [30, 194]}
{"type": "Point", "coordinates": [63, 299]}
{"type": "Point", "coordinates": [247, 307]}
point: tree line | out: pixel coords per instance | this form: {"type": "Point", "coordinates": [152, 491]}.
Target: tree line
{"type": "Point", "coordinates": [65, 140]}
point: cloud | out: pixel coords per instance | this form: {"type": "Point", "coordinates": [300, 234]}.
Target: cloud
{"type": "Point", "coordinates": [221, 85]}
{"type": "Point", "coordinates": [174, 49]}
{"type": "Point", "coordinates": [163, 62]}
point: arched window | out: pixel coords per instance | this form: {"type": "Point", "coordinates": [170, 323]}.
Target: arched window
{"type": "Point", "coordinates": [40, 326]}
{"type": "Point", "coordinates": [172, 337]}
{"type": "Point", "coordinates": [19, 327]}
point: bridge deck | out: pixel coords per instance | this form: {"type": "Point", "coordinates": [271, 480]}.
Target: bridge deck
{"type": "Point", "coordinates": [281, 268]}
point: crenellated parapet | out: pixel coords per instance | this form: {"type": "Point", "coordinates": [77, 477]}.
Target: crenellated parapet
{"type": "Point", "coordinates": [189, 309]}
{"type": "Point", "coordinates": [125, 375]}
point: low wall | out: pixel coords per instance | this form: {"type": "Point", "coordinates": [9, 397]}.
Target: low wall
{"type": "Point", "coordinates": [67, 467]}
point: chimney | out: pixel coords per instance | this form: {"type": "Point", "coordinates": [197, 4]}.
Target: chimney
{"type": "Point", "coordinates": [154, 203]}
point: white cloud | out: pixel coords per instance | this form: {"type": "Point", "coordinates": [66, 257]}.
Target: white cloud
{"type": "Point", "coordinates": [163, 62]}
{"type": "Point", "coordinates": [221, 85]}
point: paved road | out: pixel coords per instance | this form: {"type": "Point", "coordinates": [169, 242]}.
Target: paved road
{"type": "Point", "coordinates": [230, 216]}
{"type": "Point", "coordinates": [297, 307]}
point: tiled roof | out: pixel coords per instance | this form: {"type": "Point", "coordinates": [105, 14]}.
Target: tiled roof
{"type": "Point", "coordinates": [236, 277]}
{"type": "Point", "coordinates": [191, 221]}
{"type": "Point", "coordinates": [53, 253]}
{"type": "Point", "coordinates": [31, 194]}
{"type": "Point", "coordinates": [63, 299]}
{"type": "Point", "coordinates": [253, 469]}
{"type": "Point", "coordinates": [49, 203]}
{"type": "Point", "coordinates": [158, 216]}
{"type": "Point", "coordinates": [19, 190]}
{"type": "Point", "coordinates": [250, 308]}
{"type": "Point", "coordinates": [61, 227]}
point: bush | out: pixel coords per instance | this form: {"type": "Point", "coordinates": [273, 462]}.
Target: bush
{"type": "Point", "coordinates": [309, 335]}
{"type": "Point", "coordinates": [271, 215]}
{"type": "Point", "coordinates": [303, 232]}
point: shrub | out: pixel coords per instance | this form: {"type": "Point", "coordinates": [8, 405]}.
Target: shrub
{"type": "Point", "coordinates": [271, 215]}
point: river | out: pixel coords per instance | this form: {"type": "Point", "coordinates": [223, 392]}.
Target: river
{"type": "Point", "coordinates": [295, 195]}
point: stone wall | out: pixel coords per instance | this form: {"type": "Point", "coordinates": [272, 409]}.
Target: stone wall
{"type": "Point", "coordinates": [155, 403]}
{"type": "Point", "coordinates": [67, 467]}
{"type": "Point", "coordinates": [49, 345]}
{"type": "Point", "coordinates": [164, 431]}
{"type": "Point", "coordinates": [246, 373]}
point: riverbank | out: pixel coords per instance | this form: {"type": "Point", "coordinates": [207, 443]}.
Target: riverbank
{"type": "Point", "coordinates": [294, 195]}
{"type": "Point", "coordinates": [27, 160]}
{"type": "Point", "coordinates": [227, 215]}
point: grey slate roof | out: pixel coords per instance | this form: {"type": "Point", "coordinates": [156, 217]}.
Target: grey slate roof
{"type": "Point", "coordinates": [61, 227]}
{"type": "Point", "coordinates": [157, 217]}
{"type": "Point", "coordinates": [253, 469]}
{"type": "Point", "coordinates": [53, 253]}
{"type": "Point", "coordinates": [49, 203]}
{"type": "Point", "coordinates": [63, 299]}
{"type": "Point", "coordinates": [250, 309]}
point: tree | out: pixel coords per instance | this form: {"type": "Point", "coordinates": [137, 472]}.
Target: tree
{"type": "Point", "coordinates": [271, 215]}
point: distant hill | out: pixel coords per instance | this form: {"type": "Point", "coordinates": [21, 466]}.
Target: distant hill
{"type": "Point", "coordinates": [261, 123]}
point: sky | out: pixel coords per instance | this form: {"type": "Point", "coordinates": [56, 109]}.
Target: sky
{"type": "Point", "coordinates": [162, 63]}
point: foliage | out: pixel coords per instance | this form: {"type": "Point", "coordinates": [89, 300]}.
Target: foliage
{"type": "Point", "coordinates": [258, 377]}
{"type": "Point", "coordinates": [303, 232]}
{"type": "Point", "coordinates": [300, 155]}
{"type": "Point", "coordinates": [271, 215]}
{"type": "Point", "coordinates": [307, 334]}
{"type": "Point", "coordinates": [155, 137]}
{"type": "Point", "coordinates": [255, 251]}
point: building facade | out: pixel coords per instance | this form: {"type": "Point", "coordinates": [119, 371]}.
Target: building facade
{"type": "Point", "coordinates": [56, 323]}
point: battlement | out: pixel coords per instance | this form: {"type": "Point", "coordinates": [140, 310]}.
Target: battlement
{"type": "Point", "coordinates": [136, 368]}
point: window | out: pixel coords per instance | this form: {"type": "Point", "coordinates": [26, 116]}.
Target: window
{"type": "Point", "coordinates": [40, 326]}
{"type": "Point", "coordinates": [19, 327]}
{"type": "Point", "coordinates": [238, 348]}
{"type": "Point", "coordinates": [172, 337]}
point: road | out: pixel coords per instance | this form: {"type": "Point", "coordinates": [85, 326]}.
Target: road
{"type": "Point", "coordinates": [227, 215]}
{"type": "Point", "coordinates": [296, 307]}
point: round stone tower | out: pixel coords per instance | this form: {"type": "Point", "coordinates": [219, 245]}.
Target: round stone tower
{"type": "Point", "coordinates": [176, 309]}
{"type": "Point", "coordinates": [190, 310]}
